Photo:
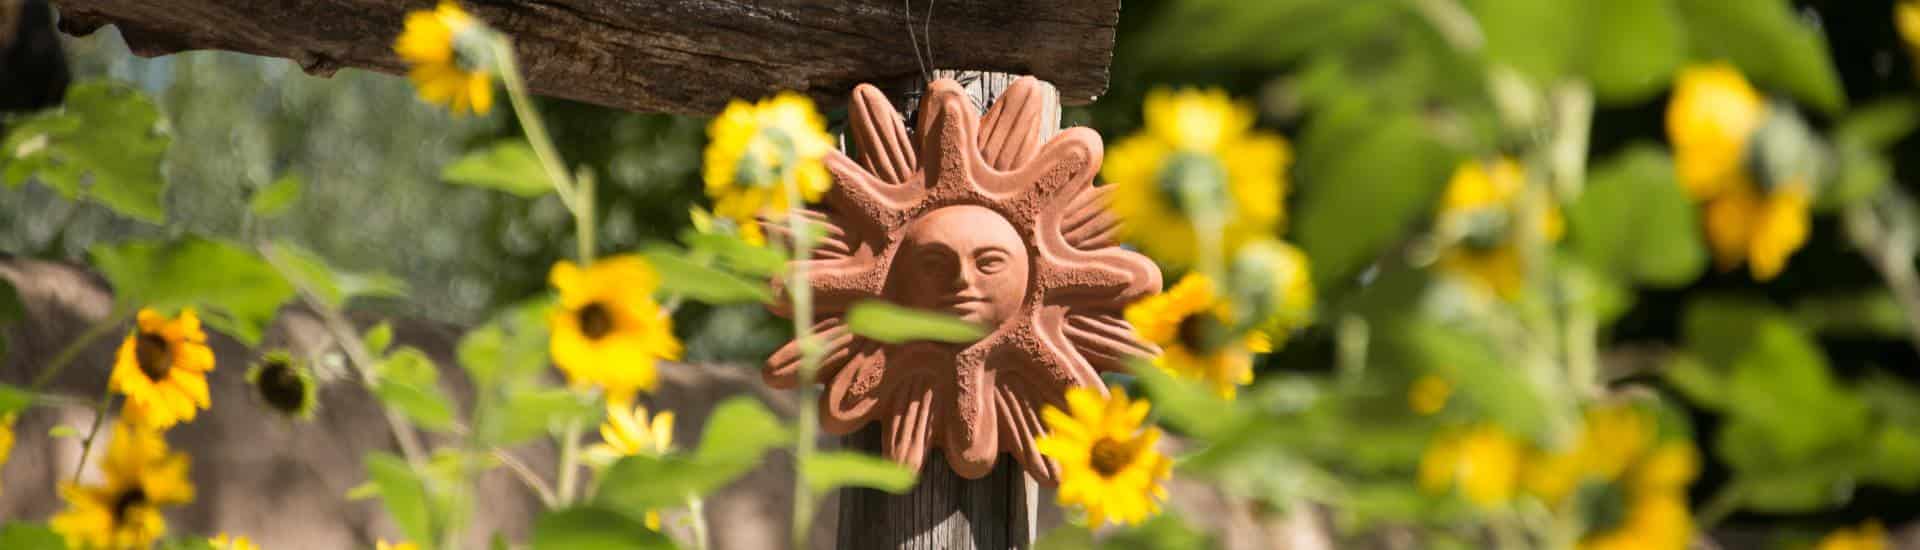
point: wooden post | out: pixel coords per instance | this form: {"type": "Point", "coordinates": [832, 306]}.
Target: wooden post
{"type": "Point", "coordinates": [944, 511]}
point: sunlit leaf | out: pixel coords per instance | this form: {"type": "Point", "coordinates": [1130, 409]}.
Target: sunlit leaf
{"type": "Point", "coordinates": [1066, 536]}
{"type": "Point", "coordinates": [104, 144]}
{"type": "Point", "coordinates": [827, 471]}
{"type": "Point", "coordinates": [405, 497]}
{"type": "Point", "coordinates": [594, 528]}
{"type": "Point", "coordinates": [510, 349]}
{"type": "Point", "coordinates": [1353, 205]}
{"type": "Point", "coordinates": [893, 324]}
{"type": "Point", "coordinates": [1879, 124]}
{"type": "Point", "coordinates": [1767, 41]}
{"type": "Point", "coordinates": [235, 290]}
{"type": "Point", "coordinates": [20, 535]}
{"type": "Point", "coordinates": [378, 338]}
{"type": "Point", "coordinates": [682, 276]}
{"type": "Point", "coordinates": [507, 165]}
{"type": "Point", "coordinates": [273, 200]}
{"type": "Point", "coordinates": [1635, 222]}
{"type": "Point", "coordinates": [1632, 47]}
{"type": "Point", "coordinates": [738, 432]}
{"type": "Point", "coordinates": [333, 286]}
{"type": "Point", "coordinates": [1868, 313]}
{"type": "Point", "coordinates": [526, 414]}
{"type": "Point", "coordinates": [737, 254]}
{"type": "Point", "coordinates": [408, 381]}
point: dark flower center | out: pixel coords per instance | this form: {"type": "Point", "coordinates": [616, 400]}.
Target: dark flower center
{"type": "Point", "coordinates": [281, 386]}
{"type": "Point", "coordinates": [1202, 332]}
{"type": "Point", "coordinates": [154, 354]}
{"type": "Point", "coordinates": [1110, 455]}
{"type": "Point", "coordinates": [1195, 182]}
{"type": "Point", "coordinates": [595, 321]}
{"type": "Point", "coordinates": [1604, 505]}
{"type": "Point", "coordinates": [126, 501]}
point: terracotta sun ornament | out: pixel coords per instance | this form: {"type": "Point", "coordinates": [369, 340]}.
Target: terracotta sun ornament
{"type": "Point", "coordinates": [973, 216]}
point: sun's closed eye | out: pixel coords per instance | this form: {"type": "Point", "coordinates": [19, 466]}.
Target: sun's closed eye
{"type": "Point", "coordinates": [990, 261]}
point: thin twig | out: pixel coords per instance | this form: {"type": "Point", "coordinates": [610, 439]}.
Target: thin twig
{"type": "Point", "coordinates": [1891, 254]}
{"type": "Point", "coordinates": [527, 476]}
{"type": "Point", "coordinates": [99, 417]}
{"type": "Point", "coordinates": [357, 355]}
{"type": "Point", "coordinates": [74, 348]}
{"type": "Point", "coordinates": [801, 293]}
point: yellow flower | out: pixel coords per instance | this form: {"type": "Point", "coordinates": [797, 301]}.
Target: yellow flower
{"type": "Point", "coordinates": [446, 51]}
{"type": "Point", "coordinates": [1648, 522]}
{"type": "Point", "coordinates": [627, 432]}
{"type": "Point", "coordinates": [757, 149]}
{"type": "Point", "coordinates": [382, 544]}
{"type": "Point", "coordinates": [1280, 285]}
{"type": "Point", "coordinates": [1198, 156]}
{"type": "Point", "coordinates": [1712, 116]}
{"type": "Point", "coordinates": [141, 477]}
{"type": "Point", "coordinates": [1476, 221]}
{"type": "Point", "coordinates": [1192, 324]}
{"type": "Point", "coordinates": [229, 542]}
{"type": "Point", "coordinates": [1626, 487]}
{"type": "Point", "coordinates": [1744, 225]}
{"type": "Point", "coordinates": [6, 438]}
{"type": "Point", "coordinates": [1906, 18]}
{"type": "Point", "coordinates": [1867, 536]}
{"type": "Point", "coordinates": [607, 330]}
{"type": "Point", "coordinates": [1429, 394]}
{"type": "Point", "coordinates": [1482, 462]}
{"type": "Point", "coordinates": [161, 368]}
{"type": "Point", "coordinates": [1108, 463]}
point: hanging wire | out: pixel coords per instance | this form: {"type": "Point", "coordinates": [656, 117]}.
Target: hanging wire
{"type": "Point", "coordinates": [914, 40]}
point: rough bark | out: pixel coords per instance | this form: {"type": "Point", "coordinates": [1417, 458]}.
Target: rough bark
{"type": "Point", "coordinates": [680, 56]}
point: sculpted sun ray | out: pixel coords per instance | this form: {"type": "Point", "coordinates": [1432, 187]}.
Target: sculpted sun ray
{"type": "Point", "coordinates": [965, 217]}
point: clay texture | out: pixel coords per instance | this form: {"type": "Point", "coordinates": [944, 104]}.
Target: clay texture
{"type": "Point", "coordinates": [972, 216]}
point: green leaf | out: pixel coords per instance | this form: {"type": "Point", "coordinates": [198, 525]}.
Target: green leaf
{"type": "Point", "coordinates": [737, 254]}
{"type": "Point", "coordinates": [1496, 389]}
{"type": "Point", "coordinates": [20, 535]}
{"type": "Point", "coordinates": [1066, 537]}
{"type": "Point", "coordinates": [1859, 175]}
{"type": "Point", "coordinates": [378, 338]}
{"type": "Point", "coordinates": [594, 528]}
{"type": "Point", "coordinates": [235, 290]}
{"type": "Point", "coordinates": [273, 200]}
{"type": "Point", "coordinates": [1353, 205]}
{"type": "Point", "coordinates": [527, 414]}
{"type": "Point", "coordinates": [1879, 124]}
{"type": "Point", "coordinates": [1769, 43]}
{"type": "Point", "coordinates": [1634, 221]}
{"type": "Point", "coordinates": [334, 287]}
{"type": "Point", "coordinates": [1864, 313]}
{"type": "Point", "coordinates": [511, 349]}
{"type": "Point", "coordinates": [827, 471]}
{"type": "Point", "coordinates": [1537, 37]}
{"type": "Point", "coordinates": [14, 399]}
{"type": "Point", "coordinates": [1701, 383]}
{"type": "Point", "coordinates": [738, 432]}
{"type": "Point", "coordinates": [1163, 532]}
{"type": "Point", "coordinates": [1187, 404]}
{"type": "Point", "coordinates": [893, 324]}
{"type": "Point", "coordinates": [62, 431]}
{"type": "Point", "coordinates": [1633, 47]}
{"type": "Point", "coordinates": [682, 276]}
{"type": "Point", "coordinates": [1895, 451]}
{"type": "Point", "coordinates": [405, 497]}
{"type": "Point", "coordinates": [105, 143]}
{"type": "Point", "coordinates": [408, 381]}
{"type": "Point", "coordinates": [507, 165]}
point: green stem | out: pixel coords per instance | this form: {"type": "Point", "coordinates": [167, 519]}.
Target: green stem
{"type": "Point", "coordinates": [577, 195]}
{"type": "Point", "coordinates": [802, 295]}
{"type": "Point", "coordinates": [75, 347]}
{"type": "Point", "coordinates": [569, 462]}
{"type": "Point", "coordinates": [535, 128]}
{"type": "Point", "coordinates": [99, 417]}
{"type": "Point", "coordinates": [1721, 505]}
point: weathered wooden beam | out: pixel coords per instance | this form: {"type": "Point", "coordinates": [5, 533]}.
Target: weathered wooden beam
{"type": "Point", "coordinates": [678, 56]}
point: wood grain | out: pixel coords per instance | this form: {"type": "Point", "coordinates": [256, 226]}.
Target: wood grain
{"type": "Point", "coordinates": [678, 56]}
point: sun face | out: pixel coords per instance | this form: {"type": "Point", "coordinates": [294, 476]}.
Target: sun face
{"type": "Point", "coordinates": [983, 218]}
